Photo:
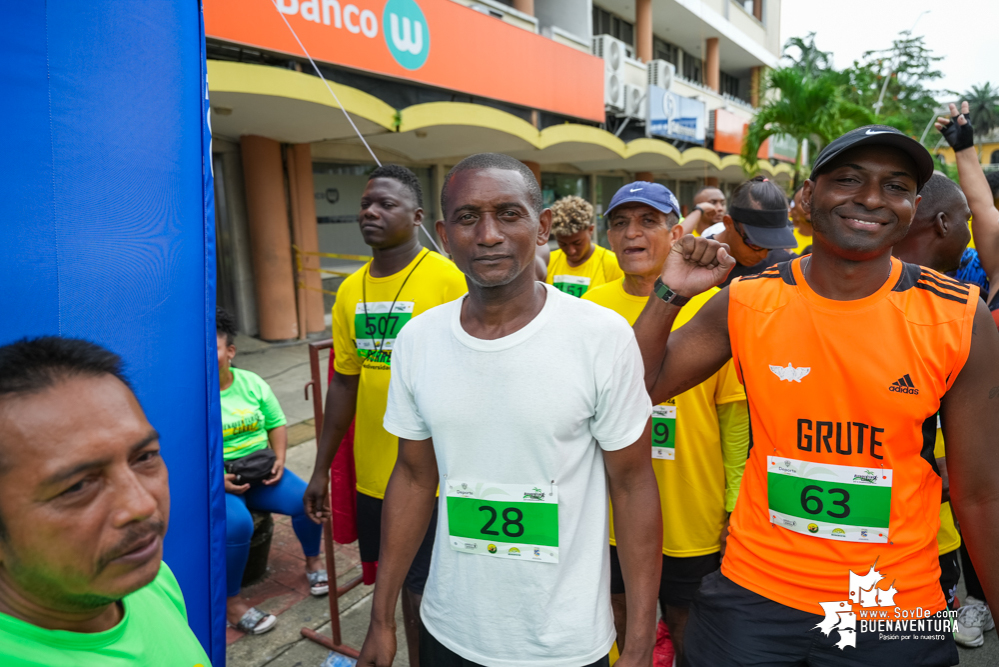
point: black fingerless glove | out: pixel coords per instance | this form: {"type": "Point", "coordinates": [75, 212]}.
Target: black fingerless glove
{"type": "Point", "coordinates": [959, 136]}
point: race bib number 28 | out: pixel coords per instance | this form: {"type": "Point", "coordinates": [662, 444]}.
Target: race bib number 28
{"type": "Point", "coordinates": [829, 501]}
{"type": "Point", "coordinates": [515, 521]}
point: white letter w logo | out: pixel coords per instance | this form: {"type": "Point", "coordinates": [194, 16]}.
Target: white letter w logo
{"type": "Point", "coordinates": [409, 42]}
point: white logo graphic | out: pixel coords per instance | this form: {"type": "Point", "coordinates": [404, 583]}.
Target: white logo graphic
{"type": "Point", "coordinates": [863, 591]}
{"type": "Point", "coordinates": [635, 190]}
{"type": "Point", "coordinates": [878, 132]}
{"type": "Point", "coordinates": [790, 373]}
{"type": "Point", "coordinates": [412, 37]}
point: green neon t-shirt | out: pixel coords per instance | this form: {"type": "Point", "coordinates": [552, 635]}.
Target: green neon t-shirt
{"type": "Point", "coordinates": [152, 633]}
{"type": "Point", "coordinates": [249, 410]}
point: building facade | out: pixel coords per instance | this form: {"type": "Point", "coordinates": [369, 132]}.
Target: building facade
{"type": "Point", "coordinates": [591, 94]}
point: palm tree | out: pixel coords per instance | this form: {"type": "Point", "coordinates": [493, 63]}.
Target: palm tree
{"type": "Point", "coordinates": [983, 101]}
{"type": "Point", "coordinates": [811, 60]}
{"type": "Point", "coordinates": [806, 108]}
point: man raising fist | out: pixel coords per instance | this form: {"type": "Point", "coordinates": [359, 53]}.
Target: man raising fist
{"type": "Point", "coordinates": [846, 356]}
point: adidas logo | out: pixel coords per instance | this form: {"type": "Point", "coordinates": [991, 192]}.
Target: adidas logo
{"type": "Point", "coordinates": [903, 385]}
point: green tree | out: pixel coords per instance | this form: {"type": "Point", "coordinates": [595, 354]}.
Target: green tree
{"type": "Point", "coordinates": [810, 60]}
{"type": "Point", "coordinates": [806, 108]}
{"type": "Point", "coordinates": [983, 103]}
{"type": "Point", "coordinates": [905, 101]}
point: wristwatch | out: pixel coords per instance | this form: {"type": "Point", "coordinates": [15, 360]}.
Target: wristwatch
{"type": "Point", "coordinates": [668, 295]}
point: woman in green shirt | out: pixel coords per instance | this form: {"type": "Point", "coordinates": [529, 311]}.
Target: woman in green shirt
{"type": "Point", "coordinates": [252, 420]}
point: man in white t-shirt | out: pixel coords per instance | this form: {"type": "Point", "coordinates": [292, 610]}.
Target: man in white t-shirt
{"type": "Point", "coordinates": [526, 406]}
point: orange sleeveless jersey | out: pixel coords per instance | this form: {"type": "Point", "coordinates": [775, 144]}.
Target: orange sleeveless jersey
{"type": "Point", "coordinates": [843, 397]}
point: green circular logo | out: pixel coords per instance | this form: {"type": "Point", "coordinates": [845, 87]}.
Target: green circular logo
{"type": "Point", "coordinates": [406, 33]}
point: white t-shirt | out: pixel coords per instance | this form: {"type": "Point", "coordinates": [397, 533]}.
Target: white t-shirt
{"type": "Point", "coordinates": [532, 408]}
{"type": "Point", "coordinates": [714, 230]}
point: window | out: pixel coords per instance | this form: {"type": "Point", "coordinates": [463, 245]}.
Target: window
{"type": "Point", "coordinates": [605, 23]}
{"type": "Point", "coordinates": [663, 50]}
{"type": "Point", "coordinates": [692, 68]}
{"type": "Point", "coordinates": [556, 186]}
{"type": "Point", "coordinates": [730, 85]}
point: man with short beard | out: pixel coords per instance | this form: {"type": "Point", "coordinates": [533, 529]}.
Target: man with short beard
{"type": "Point", "coordinates": [526, 407]}
{"type": "Point", "coordinates": [84, 505]}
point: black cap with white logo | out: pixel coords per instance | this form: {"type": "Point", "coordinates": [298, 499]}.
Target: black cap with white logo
{"type": "Point", "coordinates": [878, 135]}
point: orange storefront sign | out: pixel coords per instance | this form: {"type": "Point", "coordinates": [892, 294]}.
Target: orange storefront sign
{"type": "Point", "coordinates": [730, 131]}
{"type": "Point", "coordinates": [435, 42]}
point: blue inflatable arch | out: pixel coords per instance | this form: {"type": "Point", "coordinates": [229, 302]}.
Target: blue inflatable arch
{"type": "Point", "coordinates": [108, 233]}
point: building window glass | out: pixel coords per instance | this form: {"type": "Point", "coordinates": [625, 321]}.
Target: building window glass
{"type": "Point", "coordinates": [556, 186]}
{"type": "Point", "coordinates": [692, 68]}
{"type": "Point", "coordinates": [731, 86]}
{"type": "Point", "coordinates": [605, 23]}
{"type": "Point", "coordinates": [663, 50]}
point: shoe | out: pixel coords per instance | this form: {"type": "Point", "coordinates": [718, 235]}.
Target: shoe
{"type": "Point", "coordinates": [318, 582]}
{"type": "Point", "coordinates": [255, 622]}
{"type": "Point", "coordinates": [663, 655]}
{"type": "Point", "coordinates": [974, 619]}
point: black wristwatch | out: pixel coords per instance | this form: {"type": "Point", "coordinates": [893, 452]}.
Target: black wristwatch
{"type": "Point", "coordinates": [668, 295]}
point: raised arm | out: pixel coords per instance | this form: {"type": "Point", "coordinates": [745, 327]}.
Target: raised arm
{"type": "Point", "coordinates": [341, 404]}
{"type": "Point", "coordinates": [959, 134]}
{"type": "Point", "coordinates": [698, 213]}
{"type": "Point", "coordinates": [409, 504]}
{"type": "Point", "coordinates": [638, 527]}
{"type": "Point", "coordinates": [676, 362]}
{"type": "Point", "coordinates": [970, 417]}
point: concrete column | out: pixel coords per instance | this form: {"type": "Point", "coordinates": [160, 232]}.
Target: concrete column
{"type": "Point", "coordinates": [644, 176]}
{"type": "Point", "coordinates": [643, 30]}
{"type": "Point", "coordinates": [535, 169]}
{"type": "Point", "coordinates": [754, 86]}
{"type": "Point", "coordinates": [712, 73]}
{"type": "Point", "coordinates": [526, 6]}
{"type": "Point", "coordinates": [305, 235]}
{"type": "Point", "coordinates": [270, 238]}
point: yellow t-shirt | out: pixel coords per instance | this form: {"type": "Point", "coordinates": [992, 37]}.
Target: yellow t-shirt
{"type": "Point", "coordinates": [948, 539]}
{"type": "Point", "coordinates": [803, 241]}
{"type": "Point", "coordinates": [692, 483]}
{"type": "Point", "coordinates": [599, 269]}
{"type": "Point", "coordinates": [363, 334]}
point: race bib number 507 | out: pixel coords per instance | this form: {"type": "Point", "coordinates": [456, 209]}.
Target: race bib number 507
{"type": "Point", "coordinates": [516, 521]}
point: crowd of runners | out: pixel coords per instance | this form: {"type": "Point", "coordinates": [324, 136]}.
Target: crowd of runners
{"type": "Point", "coordinates": [760, 434]}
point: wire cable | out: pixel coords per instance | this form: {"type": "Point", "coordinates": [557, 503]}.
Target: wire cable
{"type": "Point", "coordinates": [344, 110]}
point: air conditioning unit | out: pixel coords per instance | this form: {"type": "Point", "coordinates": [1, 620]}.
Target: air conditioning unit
{"type": "Point", "coordinates": [661, 73]}
{"type": "Point", "coordinates": [634, 96]}
{"type": "Point", "coordinates": [613, 51]}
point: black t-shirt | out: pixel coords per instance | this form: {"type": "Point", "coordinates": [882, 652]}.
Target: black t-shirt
{"type": "Point", "coordinates": [774, 257]}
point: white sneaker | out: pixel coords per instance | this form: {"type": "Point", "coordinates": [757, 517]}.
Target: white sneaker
{"type": "Point", "coordinates": [974, 619]}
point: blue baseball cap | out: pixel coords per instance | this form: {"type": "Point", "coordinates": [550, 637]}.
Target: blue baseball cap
{"type": "Point", "coordinates": [655, 195]}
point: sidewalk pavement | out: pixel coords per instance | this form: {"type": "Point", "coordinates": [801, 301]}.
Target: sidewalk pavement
{"type": "Point", "coordinates": [283, 590]}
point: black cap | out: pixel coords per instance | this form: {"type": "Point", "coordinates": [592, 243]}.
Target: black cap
{"type": "Point", "coordinates": [878, 135]}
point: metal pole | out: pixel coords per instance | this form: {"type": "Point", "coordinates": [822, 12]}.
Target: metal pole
{"type": "Point", "coordinates": [891, 68]}
{"type": "Point", "coordinates": [336, 643]}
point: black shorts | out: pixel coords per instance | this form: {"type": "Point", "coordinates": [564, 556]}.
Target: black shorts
{"type": "Point", "coordinates": [369, 540]}
{"type": "Point", "coordinates": [680, 579]}
{"type": "Point", "coordinates": [950, 573]}
{"type": "Point", "coordinates": [730, 625]}
{"type": "Point", "coordinates": [432, 652]}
